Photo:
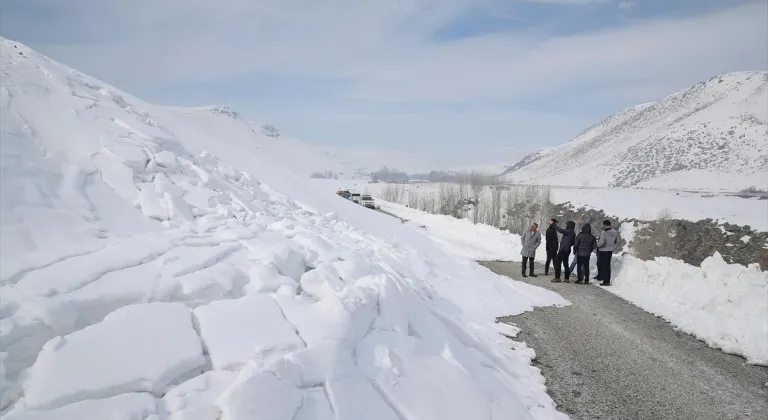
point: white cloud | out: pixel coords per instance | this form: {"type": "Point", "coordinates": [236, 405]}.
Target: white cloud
{"type": "Point", "coordinates": [384, 51]}
{"type": "Point", "coordinates": [568, 1]}
{"type": "Point", "coordinates": [626, 4]}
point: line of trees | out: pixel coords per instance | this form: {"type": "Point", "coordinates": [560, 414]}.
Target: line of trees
{"type": "Point", "coordinates": [324, 175]}
{"type": "Point", "coordinates": [478, 202]}
{"type": "Point", "coordinates": [386, 174]}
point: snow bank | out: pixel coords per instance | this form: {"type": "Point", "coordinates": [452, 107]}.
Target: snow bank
{"type": "Point", "coordinates": [157, 265]}
{"type": "Point", "coordinates": [725, 305]}
{"type": "Point", "coordinates": [460, 237]}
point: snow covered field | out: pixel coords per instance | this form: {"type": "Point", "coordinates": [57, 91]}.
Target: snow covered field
{"type": "Point", "coordinates": [151, 270]}
{"type": "Point", "coordinates": [725, 305]}
{"type": "Point", "coordinates": [627, 203]}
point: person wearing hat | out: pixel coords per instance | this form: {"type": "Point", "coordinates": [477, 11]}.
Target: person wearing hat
{"type": "Point", "coordinates": [551, 246]}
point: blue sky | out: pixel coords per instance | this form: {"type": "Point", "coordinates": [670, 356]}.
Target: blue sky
{"type": "Point", "coordinates": [423, 83]}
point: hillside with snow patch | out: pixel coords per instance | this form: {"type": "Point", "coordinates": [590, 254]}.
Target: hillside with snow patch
{"type": "Point", "coordinates": [711, 136]}
{"type": "Point", "coordinates": [156, 268]}
{"type": "Point", "coordinates": [265, 140]}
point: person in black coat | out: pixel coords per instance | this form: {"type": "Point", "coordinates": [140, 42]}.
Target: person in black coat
{"type": "Point", "coordinates": [564, 252]}
{"type": "Point", "coordinates": [584, 245]}
{"type": "Point", "coordinates": [551, 247]}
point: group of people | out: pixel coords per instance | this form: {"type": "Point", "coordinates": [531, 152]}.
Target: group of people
{"type": "Point", "coordinates": [583, 245]}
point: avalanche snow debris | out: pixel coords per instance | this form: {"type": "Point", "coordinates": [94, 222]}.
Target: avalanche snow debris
{"type": "Point", "coordinates": [139, 259]}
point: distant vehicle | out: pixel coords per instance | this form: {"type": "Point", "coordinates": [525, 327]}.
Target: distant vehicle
{"type": "Point", "coordinates": [367, 201]}
{"type": "Point", "coordinates": [355, 197]}
{"type": "Point", "coordinates": [346, 194]}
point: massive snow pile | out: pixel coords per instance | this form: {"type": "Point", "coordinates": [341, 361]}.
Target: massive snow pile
{"type": "Point", "coordinates": [711, 136]}
{"type": "Point", "coordinates": [153, 270]}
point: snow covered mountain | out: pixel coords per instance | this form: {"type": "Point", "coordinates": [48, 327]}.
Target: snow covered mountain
{"type": "Point", "coordinates": [266, 141]}
{"type": "Point", "coordinates": [711, 136]}
{"type": "Point", "coordinates": [155, 267]}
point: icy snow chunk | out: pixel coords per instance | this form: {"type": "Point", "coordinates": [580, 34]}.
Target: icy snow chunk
{"type": "Point", "coordinates": [349, 393]}
{"type": "Point", "coordinates": [237, 330]}
{"type": "Point", "coordinates": [196, 398]}
{"type": "Point", "coordinates": [273, 248]}
{"type": "Point", "coordinates": [151, 205]}
{"type": "Point", "coordinates": [118, 176]}
{"type": "Point", "coordinates": [315, 406]}
{"type": "Point", "coordinates": [265, 278]}
{"type": "Point", "coordinates": [262, 396]}
{"type": "Point", "coordinates": [322, 282]}
{"type": "Point", "coordinates": [166, 159]}
{"type": "Point", "coordinates": [141, 347]}
{"type": "Point", "coordinates": [178, 209]}
{"type": "Point", "coordinates": [133, 406]}
{"type": "Point", "coordinates": [131, 154]}
{"type": "Point", "coordinates": [212, 282]}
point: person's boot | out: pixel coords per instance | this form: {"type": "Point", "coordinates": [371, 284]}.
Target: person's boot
{"type": "Point", "coordinates": [605, 283]}
{"type": "Point", "coordinates": [530, 274]}
{"type": "Point", "coordinates": [556, 280]}
{"type": "Point", "coordinates": [567, 280]}
{"type": "Point", "coordinates": [524, 275]}
{"type": "Point", "coordinates": [578, 281]}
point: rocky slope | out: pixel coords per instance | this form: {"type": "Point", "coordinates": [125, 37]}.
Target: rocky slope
{"type": "Point", "coordinates": [711, 136]}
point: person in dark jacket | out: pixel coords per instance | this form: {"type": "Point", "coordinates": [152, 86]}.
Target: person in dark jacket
{"type": "Point", "coordinates": [551, 247]}
{"type": "Point", "coordinates": [606, 244]}
{"type": "Point", "coordinates": [564, 252]}
{"type": "Point", "coordinates": [584, 245]}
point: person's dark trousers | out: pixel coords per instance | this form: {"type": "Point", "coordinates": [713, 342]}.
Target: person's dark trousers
{"type": "Point", "coordinates": [527, 260]}
{"type": "Point", "coordinates": [562, 259]}
{"type": "Point", "coordinates": [551, 258]}
{"type": "Point", "coordinates": [582, 268]}
{"type": "Point", "coordinates": [604, 265]}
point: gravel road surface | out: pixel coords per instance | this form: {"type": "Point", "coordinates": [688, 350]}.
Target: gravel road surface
{"type": "Point", "coordinates": [605, 358]}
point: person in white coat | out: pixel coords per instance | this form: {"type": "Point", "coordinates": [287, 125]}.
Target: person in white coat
{"type": "Point", "coordinates": [531, 239]}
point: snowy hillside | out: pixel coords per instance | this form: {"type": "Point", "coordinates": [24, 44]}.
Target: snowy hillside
{"type": "Point", "coordinates": [266, 141]}
{"type": "Point", "coordinates": [712, 136]}
{"type": "Point", "coordinates": [154, 267]}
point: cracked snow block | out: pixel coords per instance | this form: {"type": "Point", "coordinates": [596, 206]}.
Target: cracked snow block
{"type": "Point", "coordinates": [238, 330]}
{"type": "Point", "coordinates": [166, 159]}
{"type": "Point", "coordinates": [133, 406]}
{"type": "Point", "coordinates": [273, 248]}
{"type": "Point", "coordinates": [266, 278]}
{"type": "Point", "coordinates": [196, 398]}
{"type": "Point", "coordinates": [137, 348]}
{"type": "Point", "coordinates": [261, 396]}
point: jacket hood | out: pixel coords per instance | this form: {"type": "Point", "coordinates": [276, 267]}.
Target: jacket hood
{"type": "Point", "coordinates": [570, 225]}
{"type": "Point", "coordinates": [586, 228]}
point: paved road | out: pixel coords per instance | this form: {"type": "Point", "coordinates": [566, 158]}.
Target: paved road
{"type": "Point", "coordinates": [605, 358]}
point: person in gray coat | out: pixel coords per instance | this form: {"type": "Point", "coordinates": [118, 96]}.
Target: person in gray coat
{"type": "Point", "coordinates": [606, 244]}
{"type": "Point", "coordinates": [531, 240]}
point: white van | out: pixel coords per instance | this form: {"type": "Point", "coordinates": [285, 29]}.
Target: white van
{"type": "Point", "coordinates": [367, 201]}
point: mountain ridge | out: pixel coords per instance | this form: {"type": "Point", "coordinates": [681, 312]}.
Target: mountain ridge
{"type": "Point", "coordinates": [711, 135]}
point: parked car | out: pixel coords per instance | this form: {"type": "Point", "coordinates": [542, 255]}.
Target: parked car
{"type": "Point", "coordinates": [355, 197]}
{"type": "Point", "coordinates": [367, 201]}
